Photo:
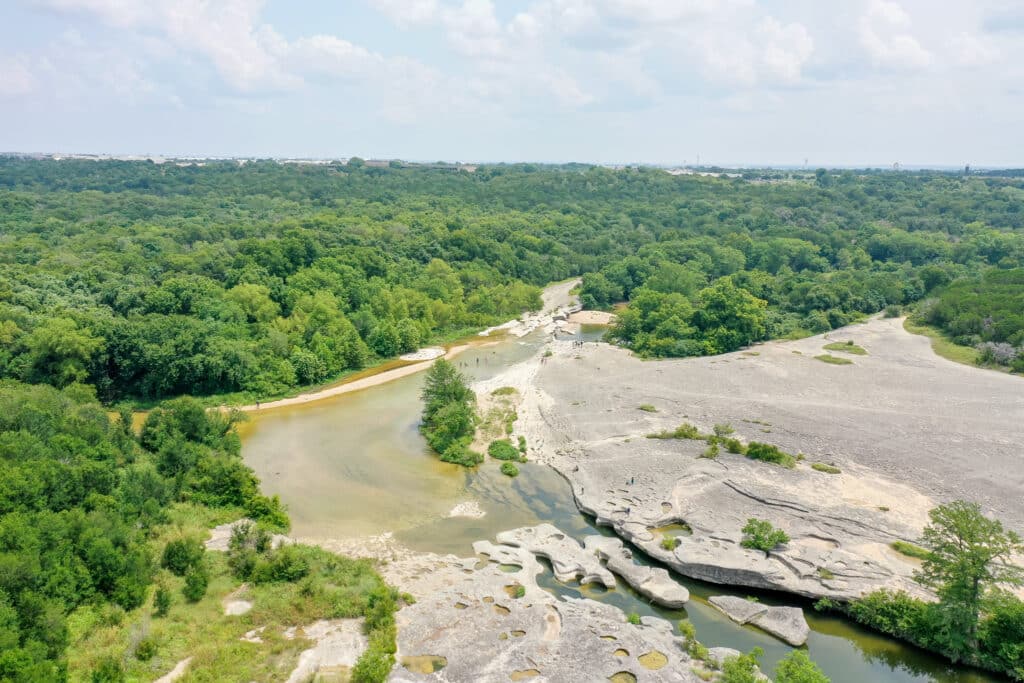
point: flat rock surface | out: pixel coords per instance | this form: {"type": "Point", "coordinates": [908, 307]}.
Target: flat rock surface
{"type": "Point", "coordinates": [466, 625]}
{"type": "Point", "coordinates": [787, 623]}
{"type": "Point", "coordinates": [338, 645]}
{"type": "Point", "coordinates": [891, 423]}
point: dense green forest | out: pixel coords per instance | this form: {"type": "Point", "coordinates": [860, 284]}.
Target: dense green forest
{"type": "Point", "coordinates": [148, 281]}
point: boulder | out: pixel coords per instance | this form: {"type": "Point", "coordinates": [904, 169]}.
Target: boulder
{"type": "Point", "coordinates": [785, 623]}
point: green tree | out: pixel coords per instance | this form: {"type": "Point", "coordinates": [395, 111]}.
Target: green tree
{"type": "Point", "coordinates": [968, 555]}
{"type": "Point", "coordinates": [59, 352]}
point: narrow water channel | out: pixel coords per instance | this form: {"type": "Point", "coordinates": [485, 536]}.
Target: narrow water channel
{"type": "Point", "coordinates": [355, 465]}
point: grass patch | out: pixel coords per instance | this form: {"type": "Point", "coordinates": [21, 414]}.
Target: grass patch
{"type": "Point", "coordinates": [910, 549]}
{"type": "Point", "coordinates": [670, 543]}
{"type": "Point", "coordinates": [683, 431]}
{"type": "Point", "coordinates": [825, 573]}
{"type": "Point", "coordinates": [766, 452]}
{"type": "Point", "coordinates": [509, 469]}
{"type": "Point", "coordinates": [647, 408]}
{"type": "Point", "coordinates": [827, 469]}
{"type": "Point", "coordinates": [504, 391]}
{"type": "Point", "coordinates": [833, 360]}
{"type": "Point", "coordinates": [942, 345]}
{"type": "Point", "coordinates": [846, 347]}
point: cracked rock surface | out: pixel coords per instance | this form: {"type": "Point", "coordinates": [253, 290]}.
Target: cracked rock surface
{"type": "Point", "coordinates": [471, 623]}
{"type": "Point", "coordinates": [787, 623]}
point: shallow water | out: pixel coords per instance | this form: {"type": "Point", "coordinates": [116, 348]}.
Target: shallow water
{"type": "Point", "coordinates": [356, 465]}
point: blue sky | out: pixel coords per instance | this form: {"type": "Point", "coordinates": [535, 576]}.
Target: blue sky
{"type": "Point", "coordinates": [852, 82]}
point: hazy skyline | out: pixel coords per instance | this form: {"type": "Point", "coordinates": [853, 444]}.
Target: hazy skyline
{"type": "Point", "coordinates": [865, 82]}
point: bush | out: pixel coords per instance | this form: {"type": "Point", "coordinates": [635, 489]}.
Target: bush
{"type": "Point", "coordinates": [462, 454]}
{"type": "Point", "coordinates": [509, 469]}
{"type": "Point", "coordinates": [633, 618]}
{"type": "Point", "coordinates": [710, 452]}
{"type": "Point", "coordinates": [502, 449]}
{"type": "Point", "coordinates": [109, 670]}
{"type": "Point", "coordinates": [759, 534]}
{"type": "Point", "coordinates": [522, 446]}
{"type": "Point", "coordinates": [797, 667]}
{"type": "Point", "coordinates": [161, 601]}
{"type": "Point", "coordinates": [373, 666]}
{"type": "Point", "coordinates": [742, 668]}
{"type": "Point", "coordinates": [670, 543]}
{"type": "Point", "coordinates": [196, 580]}
{"type": "Point", "coordinates": [181, 554]}
{"type": "Point", "coordinates": [769, 453]}
{"type": "Point", "coordinates": [145, 650]}
{"type": "Point", "coordinates": [734, 446]}
{"type": "Point", "coordinates": [723, 430]}
{"type": "Point", "coordinates": [683, 431]}
{"type": "Point", "coordinates": [286, 564]}
{"type": "Point", "coordinates": [827, 469]}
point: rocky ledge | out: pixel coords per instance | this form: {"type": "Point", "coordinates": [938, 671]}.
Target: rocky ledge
{"type": "Point", "coordinates": [787, 623]}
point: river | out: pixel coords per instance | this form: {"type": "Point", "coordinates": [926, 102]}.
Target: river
{"type": "Point", "coordinates": [355, 465]}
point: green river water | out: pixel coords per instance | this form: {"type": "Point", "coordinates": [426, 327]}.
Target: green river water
{"type": "Point", "coordinates": [356, 465]}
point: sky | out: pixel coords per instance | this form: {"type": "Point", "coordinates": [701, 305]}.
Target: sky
{"type": "Point", "coordinates": [756, 82]}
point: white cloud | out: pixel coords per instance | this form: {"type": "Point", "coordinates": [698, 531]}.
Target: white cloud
{"type": "Point", "coordinates": [884, 32]}
{"type": "Point", "coordinates": [407, 13]}
{"type": "Point", "coordinates": [973, 51]}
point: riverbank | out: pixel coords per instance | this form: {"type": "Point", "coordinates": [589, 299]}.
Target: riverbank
{"type": "Point", "coordinates": [556, 299]}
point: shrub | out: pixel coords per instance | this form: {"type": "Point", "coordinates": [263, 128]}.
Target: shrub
{"type": "Point", "coordinates": [373, 666]}
{"type": "Point", "coordinates": [633, 618]}
{"type": "Point", "coordinates": [502, 449]}
{"type": "Point", "coordinates": [647, 408]}
{"type": "Point", "coordinates": [797, 667]}
{"type": "Point", "coordinates": [892, 311]}
{"type": "Point", "coordinates": [509, 469]}
{"type": "Point", "coordinates": [522, 446]}
{"type": "Point", "coordinates": [161, 601]}
{"type": "Point", "coordinates": [759, 534]}
{"type": "Point", "coordinates": [769, 453]}
{"type": "Point", "coordinates": [109, 670]}
{"type": "Point", "coordinates": [461, 454]}
{"type": "Point", "coordinates": [145, 650]}
{"type": "Point", "coordinates": [827, 469]}
{"type": "Point", "coordinates": [723, 430]}
{"type": "Point", "coordinates": [910, 549]}
{"type": "Point", "coordinates": [710, 452]}
{"type": "Point", "coordinates": [286, 564]}
{"type": "Point", "coordinates": [734, 446]}
{"type": "Point", "coordinates": [741, 668]}
{"type": "Point", "coordinates": [181, 554]}
{"type": "Point", "coordinates": [683, 431]}
{"type": "Point", "coordinates": [196, 580]}
{"type": "Point", "coordinates": [670, 543]}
